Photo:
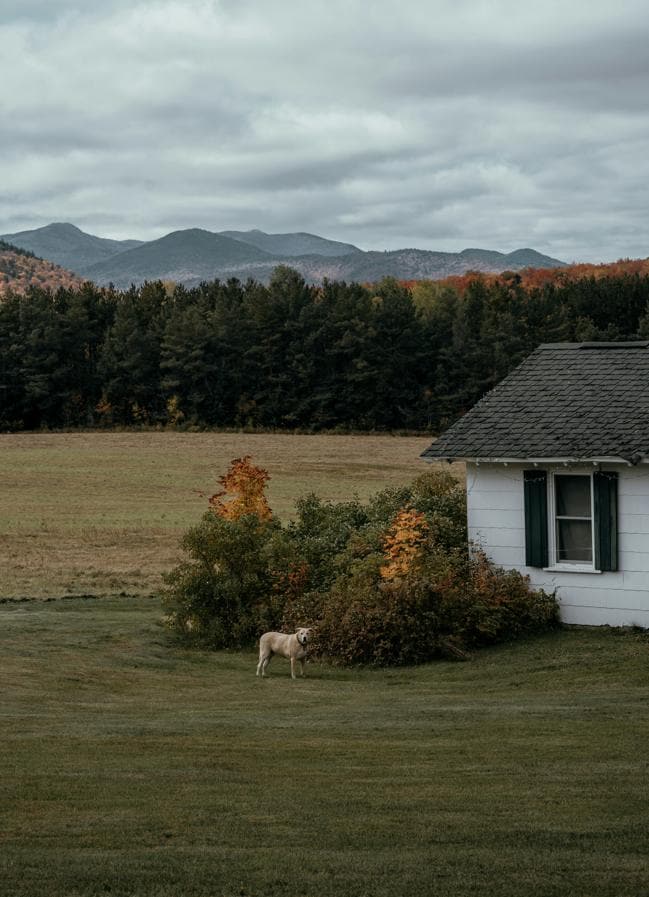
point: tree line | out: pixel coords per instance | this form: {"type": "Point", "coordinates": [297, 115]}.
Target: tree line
{"type": "Point", "coordinates": [288, 355]}
{"type": "Point", "coordinates": [9, 247]}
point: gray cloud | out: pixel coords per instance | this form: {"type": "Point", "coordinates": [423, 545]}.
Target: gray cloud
{"type": "Point", "coordinates": [434, 124]}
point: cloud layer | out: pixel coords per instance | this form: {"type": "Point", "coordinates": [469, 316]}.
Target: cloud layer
{"type": "Point", "coordinates": [425, 123]}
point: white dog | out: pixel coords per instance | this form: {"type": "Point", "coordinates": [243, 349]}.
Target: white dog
{"type": "Point", "coordinates": [292, 646]}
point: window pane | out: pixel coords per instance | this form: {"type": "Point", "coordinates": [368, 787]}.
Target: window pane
{"type": "Point", "coordinates": [573, 496]}
{"type": "Point", "coordinates": [574, 541]}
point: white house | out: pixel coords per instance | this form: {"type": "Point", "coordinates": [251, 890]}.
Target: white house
{"type": "Point", "coordinates": [557, 459]}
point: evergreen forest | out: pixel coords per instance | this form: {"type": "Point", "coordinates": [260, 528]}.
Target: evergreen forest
{"type": "Point", "coordinates": [289, 355]}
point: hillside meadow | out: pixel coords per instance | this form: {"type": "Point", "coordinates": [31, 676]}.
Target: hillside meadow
{"type": "Point", "coordinates": [99, 513]}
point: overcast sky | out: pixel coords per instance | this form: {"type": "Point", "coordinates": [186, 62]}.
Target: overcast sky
{"type": "Point", "coordinates": [395, 123]}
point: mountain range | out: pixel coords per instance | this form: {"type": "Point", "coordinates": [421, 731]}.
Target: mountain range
{"type": "Point", "coordinates": [194, 255]}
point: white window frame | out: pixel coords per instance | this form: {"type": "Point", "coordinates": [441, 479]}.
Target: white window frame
{"type": "Point", "coordinates": [567, 566]}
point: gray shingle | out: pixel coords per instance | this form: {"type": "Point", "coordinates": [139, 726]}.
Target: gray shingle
{"type": "Point", "coordinates": [566, 400]}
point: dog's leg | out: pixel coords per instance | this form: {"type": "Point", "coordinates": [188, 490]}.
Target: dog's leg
{"type": "Point", "coordinates": [264, 660]}
{"type": "Point", "coordinates": [302, 668]}
{"type": "Point", "coordinates": [292, 668]}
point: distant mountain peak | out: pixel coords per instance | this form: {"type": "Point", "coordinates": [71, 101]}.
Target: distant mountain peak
{"type": "Point", "coordinates": [194, 254]}
{"type": "Point", "coordinates": [67, 245]}
{"type": "Point", "coordinates": [292, 245]}
{"type": "Point", "coordinates": [63, 227]}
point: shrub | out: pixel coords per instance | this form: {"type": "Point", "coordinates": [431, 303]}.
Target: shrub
{"type": "Point", "coordinates": [319, 535]}
{"type": "Point", "coordinates": [443, 501]}
{"type": "Point", "coordinates": [370, 621]}
{"type": "Point", "coordinates": [219, 596]}
{"type": "Point", "coordinates": [390, 582]}
{"type": "Point", "coordinates": [483, 604]}
{"type": "Point", "coordinates": [446, 606]}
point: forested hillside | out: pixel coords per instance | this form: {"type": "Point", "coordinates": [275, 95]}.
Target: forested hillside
{"type": "Point", "coordinates": [21, 269]}
{"type": "Point", "coordinates": [289, 355]}
{"type": "Point", "coordinates": [533, 277]}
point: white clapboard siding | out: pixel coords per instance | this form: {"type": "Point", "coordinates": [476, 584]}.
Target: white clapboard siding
{"type": "Point", "coordinates": [497, 525]}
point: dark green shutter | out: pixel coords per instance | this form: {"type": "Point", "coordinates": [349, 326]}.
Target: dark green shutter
{"type": "Point", "coordinates": [536, 517]}
{"type": "Point", "coordinates": [605, 489]}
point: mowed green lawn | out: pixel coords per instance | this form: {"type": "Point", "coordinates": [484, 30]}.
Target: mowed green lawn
{"type": "Point", "coordinates": [130, 766]}
{"type": "Point", "coordinates": [133, 767]}
{"type": "Point", "coordinates": [103, 513]}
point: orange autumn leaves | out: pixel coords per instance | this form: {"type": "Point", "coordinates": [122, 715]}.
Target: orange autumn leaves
{"type": "Point", "coordinates": [19, 271]}
{"type": "Point", "coordinates": [243, 492]}
{"type": "Point", "coordinates": [403, 542]}
{"type": "Point", "coordinates": [537, 278]}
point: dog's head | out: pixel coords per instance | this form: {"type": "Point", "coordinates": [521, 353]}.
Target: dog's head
{"type": "Point", "coordinates": [303, 635]}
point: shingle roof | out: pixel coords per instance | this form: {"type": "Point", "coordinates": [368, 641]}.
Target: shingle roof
{"type": "Point", "coordinates": [566, 400]}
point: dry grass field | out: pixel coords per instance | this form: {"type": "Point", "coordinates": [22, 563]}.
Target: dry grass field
{"type": "Point", "coordinates": [102, 513]}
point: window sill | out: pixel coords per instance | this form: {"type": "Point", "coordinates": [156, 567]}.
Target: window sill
{"type": "Point", "coordinates": [571, 568]}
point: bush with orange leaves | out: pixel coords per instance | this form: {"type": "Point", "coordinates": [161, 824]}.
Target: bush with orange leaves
{"type": "Point", "coordinates": [387, 582]}
{"type": "Point", "coordinates": [220, 596]}
{"type": "Point", "coordinates": [420, 594]}
{"type": "Point", "coordinates": [447, 604]}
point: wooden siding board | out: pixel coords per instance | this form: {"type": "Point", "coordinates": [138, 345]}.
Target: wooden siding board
{"type": "Point", "coordinates": [632, 505]}
{"type": "Point", "coordinates": [634, 562]}
{"type": "Point", "coordinates": [497, 518]}
{"type": "Point", "coordinates": [508, 557]}
{"type": "Point", "coordinates": [497, 500]}
{"type": "Point", "coordinates": [584, 615]}
{"type": "Point", "coordinates": [637, 523]}
{"type": "Point", "coordinates": [619, 598]}
{"type": "Point", "coordinates": [636, 542]}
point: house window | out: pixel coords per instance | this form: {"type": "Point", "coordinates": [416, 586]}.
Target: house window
{"type": "Point", "coordinates": [573, 519]}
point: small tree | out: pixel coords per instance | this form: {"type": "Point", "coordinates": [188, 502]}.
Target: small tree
{"type": "Point", "coordinates": [245, 484]}
{"type": "Point", "coordinates": [217, 597]}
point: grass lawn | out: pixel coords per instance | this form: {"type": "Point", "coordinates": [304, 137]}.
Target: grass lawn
{"type": "Point", "coordinates": [133, 767]}
{"type": "Point", "coordinates": [103, 513]}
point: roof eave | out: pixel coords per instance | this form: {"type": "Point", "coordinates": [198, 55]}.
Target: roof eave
{"type": "Point", "coordinates": [478, 459]}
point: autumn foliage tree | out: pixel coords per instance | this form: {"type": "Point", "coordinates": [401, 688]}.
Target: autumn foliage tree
{"type": "Point", "coordinates": [536, 278]}
{"type": "Point", "coordinates": [218, 596]}
{"type": "Point", "coordinates": [243, 492]}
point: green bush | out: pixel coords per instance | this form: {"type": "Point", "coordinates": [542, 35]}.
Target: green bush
{"type": "Point", "coordinates": [328, 569]}
{"type": "Point", "coordinates": [448, 606]}
{"type": "Point", "coordinates": [366, 621]}
{"type": "Point", "coordinates": [220, 596]}
{"type": "Point", "coordinates": [320, 533]}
